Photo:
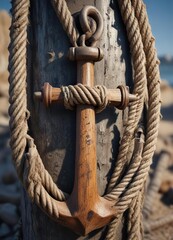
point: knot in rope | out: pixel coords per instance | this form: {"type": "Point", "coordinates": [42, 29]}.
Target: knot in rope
{"type": "Point", "coordinates": [81, 94]}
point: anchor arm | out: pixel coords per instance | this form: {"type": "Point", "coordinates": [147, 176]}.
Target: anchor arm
{"type": "Point", "coordinates": [50, 95]}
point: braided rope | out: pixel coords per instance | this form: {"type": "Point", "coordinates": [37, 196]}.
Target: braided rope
{"type": "Point", "coordinates": [30, 168]}
{"type": "Point", "coordinates": [152, 225]}
{"type": "Point", "coordinates": [17, 80]}
{"type": "Point", "coordinates": [155, 184]}
{"type": "Point", "coordinates": [81, 94]}
{"type": "Point", "coordinates": [138, 11]}
{"type": "Point", "coordinates": [134, 228]}
{"type": "Point", "coordinates": [133, 167]}
{"type": "Point", "coordinates": [135, 108]}
{"type": "Point", "coordinates": [66, 19]}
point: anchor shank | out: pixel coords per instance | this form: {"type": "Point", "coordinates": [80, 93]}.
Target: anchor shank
{"type": "Point", "coordinates": [85, 186]}
{"type": "Point", "coordinates": [86, 206]}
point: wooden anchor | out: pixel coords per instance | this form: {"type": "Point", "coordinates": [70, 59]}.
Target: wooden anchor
{"type": "Point", "coordinates": [85, 210]}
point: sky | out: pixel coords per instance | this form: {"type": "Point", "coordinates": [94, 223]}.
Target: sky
{"type": "Point", "coordinates": [160, 14]}
{"type": "Point", "coordinates": [5, 4]}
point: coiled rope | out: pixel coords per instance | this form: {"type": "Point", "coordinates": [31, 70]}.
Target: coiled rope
{"type": "Point", "coordinates": [127, 181]}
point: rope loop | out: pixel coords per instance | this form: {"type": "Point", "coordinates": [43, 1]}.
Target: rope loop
{"type": "Point", "coordinates": [81, 94]}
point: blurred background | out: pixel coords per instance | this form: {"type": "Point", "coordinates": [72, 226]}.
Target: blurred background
{"type": "Point", "coordinates": [158, 205]}
{"type": "Point", "coordinates": [9, 184]}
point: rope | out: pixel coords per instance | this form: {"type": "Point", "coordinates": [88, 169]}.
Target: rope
{"type": "Point", "coordinates": [152, 225]}
{"type": "Point", "coordinates": [134, 223]}
{"type": "Point", "coordinates": [66, 20]}
{"type": "Point", "coordinates": [135, 109]}
{"type": "Point", "coordinates": [155, 183]}
{"type": "Point", "coordinates": [81, 94]}
{"type": "Point", "coordinates": [130, 14]}
{"type": "Point", "coordinates": [17, 79]}
{"type": "Point", "coordinates": [128, 178]}
{"type": "Point", "coordinates": [30, 168]}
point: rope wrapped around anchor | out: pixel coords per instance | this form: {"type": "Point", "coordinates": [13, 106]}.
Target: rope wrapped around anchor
{"type": "Point", "coordinates": [81, 94]}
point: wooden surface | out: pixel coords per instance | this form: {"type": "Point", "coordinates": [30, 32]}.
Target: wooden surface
{"type": "Point", "coordinates": [54, 128]}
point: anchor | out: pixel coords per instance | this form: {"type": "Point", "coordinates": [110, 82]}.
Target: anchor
{"type": "Point", "coordinates": [85, 210]}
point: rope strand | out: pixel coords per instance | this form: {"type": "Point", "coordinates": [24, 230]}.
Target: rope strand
{"type": "Point", "coordinates": [66, 19]}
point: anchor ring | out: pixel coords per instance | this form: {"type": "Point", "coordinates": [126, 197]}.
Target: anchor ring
{"type": "Point", "coordinates": [86, 13]}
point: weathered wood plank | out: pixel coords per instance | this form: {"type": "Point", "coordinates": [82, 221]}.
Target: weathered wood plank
{"type": "Point", "coordinates": [54, 128]}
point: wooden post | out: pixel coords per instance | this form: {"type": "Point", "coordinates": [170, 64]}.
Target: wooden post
{"type": "Point", "coordinates": [54, 128]}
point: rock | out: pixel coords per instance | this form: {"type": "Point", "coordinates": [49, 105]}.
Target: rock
{"type": "Point", "coordinates": [9, 175]}
{"type": "Point", "coordinates": [7, 196]}
{"type": "Point", "coordinates": [166, 186]}
{"type": "Point", "coordinates": [8, 214]}
{"type": "Point", "coordinates": [4, 90]}
{"type": "Point", "coordinates": [4, 135]}
{"type": "Point", "coordinates": [4, 42]}
{"type": "Point", "coordinates": [4, 230]}
{"type": "Point", "coordinates": [4, 121]}
{"type": "Point", "coordinates": [4, 107]}
{"type": "Point", "coordinates": [5, 154]}
{"type": "Point", "coordinates": [9, 186]}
